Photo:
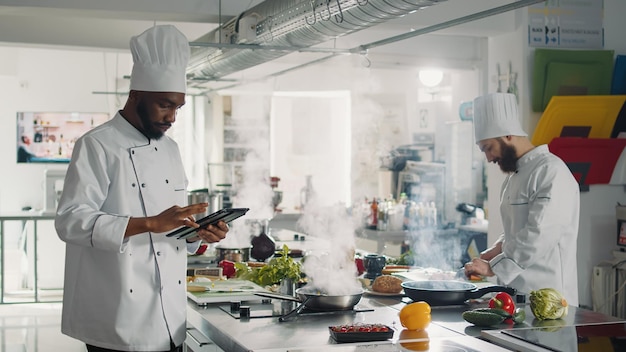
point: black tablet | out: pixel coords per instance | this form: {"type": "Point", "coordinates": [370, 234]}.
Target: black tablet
{"type": "Point", "coordinates": [227, 215]}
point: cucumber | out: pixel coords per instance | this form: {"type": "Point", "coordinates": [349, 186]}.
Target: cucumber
{"type": "Point", "coordinates": [519, 316]}
{"type": "Point", "coordinates": [483, 318]}
{"type": "Point", "coordinates": [498, 311]}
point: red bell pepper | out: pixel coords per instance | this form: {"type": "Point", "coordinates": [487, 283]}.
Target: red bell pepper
{"type": "Point", "coordinates": [228, 268]}
{"type": "Point", "coordinates": [360, 267]}
{"type": "Point", "coordinates": [504, 301]}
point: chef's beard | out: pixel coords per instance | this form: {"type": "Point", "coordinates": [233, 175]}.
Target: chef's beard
{"type": "Point", "coordinates": [508, 160]}
{"type": "Point", "coordinates": [148, 127]}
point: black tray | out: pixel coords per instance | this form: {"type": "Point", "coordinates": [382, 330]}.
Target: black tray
{"type": "Point", "coordinates": [359, 336]}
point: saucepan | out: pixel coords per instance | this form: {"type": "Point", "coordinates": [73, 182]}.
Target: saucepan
{"type": "Point", "coordinates": [448, 292]}
{"type": "Point", "coordinates": [313, 299]}
{"type": "Point", "coordinates": [233, 254]}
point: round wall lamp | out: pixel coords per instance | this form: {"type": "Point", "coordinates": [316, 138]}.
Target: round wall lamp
{"type": "Point", "coordinates": [430, 77]}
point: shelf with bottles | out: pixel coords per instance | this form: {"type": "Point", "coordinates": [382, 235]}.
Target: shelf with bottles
{"type": "Point", "coordinates": [242, 123]}
{"type": "Point", "coordinates": [235, 154]}
{"type": "Point", "coordinates": [247, 125]}
{"type": "Point", "coordinates": [41, 127]}
{"type": "Point", "coordinates": [234, 137]}
{"type": "Point", "coordinates": [400, 215]}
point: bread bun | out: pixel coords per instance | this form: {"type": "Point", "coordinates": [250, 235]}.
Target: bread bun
{"type": "Point", "coordinates": [387, 284]}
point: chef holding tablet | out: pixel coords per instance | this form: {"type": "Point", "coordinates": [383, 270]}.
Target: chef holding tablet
{"type": "Point", "coordinates": [125, 189]}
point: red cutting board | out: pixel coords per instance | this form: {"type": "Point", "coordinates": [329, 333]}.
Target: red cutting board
{"type": "Point", "coordinates": [591, 160]}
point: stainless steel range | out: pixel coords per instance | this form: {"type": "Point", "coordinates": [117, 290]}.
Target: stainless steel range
{"type": "Point", "coordinates": [268, 308]}
{"type": "Point", "coordinates": [605, 337]}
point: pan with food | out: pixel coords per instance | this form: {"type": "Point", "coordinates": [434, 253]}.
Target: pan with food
{"type": "Point", "coordinates": [448, 292]}
{"type": "Point", "coordinates": [313, 299]}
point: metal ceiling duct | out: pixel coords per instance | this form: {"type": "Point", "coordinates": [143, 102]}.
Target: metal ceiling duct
{"type": "Point", "coordinates": [288, 24]}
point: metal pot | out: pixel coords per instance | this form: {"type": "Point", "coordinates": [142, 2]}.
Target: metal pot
{"type": "Point", "coordinates": [313, 299]}
{"type": "Point", "coordinates": [232, 254]}
{"type": "Point", "coordinates": [199, 196]}
{"type": "Point", "coordinates": [448, 292]}
{"type": "Point", "coordinates": [216, 202]}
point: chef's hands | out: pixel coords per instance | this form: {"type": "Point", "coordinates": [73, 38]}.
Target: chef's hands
{"type": "Point", "coordinates": [478, 266]}
{"type": "Point", "coordinates": [211, 233]}
{"type": "Point", "coordinates": [175, 217]}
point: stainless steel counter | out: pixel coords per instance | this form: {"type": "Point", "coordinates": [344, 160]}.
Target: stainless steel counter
{"type": "Point", "coordinates": [301, 332]}
{"type": "Point", "coordinates": [450, 317]}
{"type": "Point", "coordinates": [310, 332]}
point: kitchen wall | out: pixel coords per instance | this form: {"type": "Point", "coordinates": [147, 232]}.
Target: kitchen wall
{"type": "Point", "coordinates": [64, 80]}
{"type": "Point", "coordinates": [43, 79]}
{"type": "Point", "coordinates": [46, 79]}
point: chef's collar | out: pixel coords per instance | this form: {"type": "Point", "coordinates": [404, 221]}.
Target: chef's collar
{"type": "Point", "coordinates": [531, 155]}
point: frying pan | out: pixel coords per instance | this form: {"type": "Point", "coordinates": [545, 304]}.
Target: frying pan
{"type": "Point", "coordinates": [448, 292]}
{"type": "Point", "coordinates": [314, 299]}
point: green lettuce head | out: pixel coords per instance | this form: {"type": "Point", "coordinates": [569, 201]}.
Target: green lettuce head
{"type": "Point", "coordinates": [548, 303]}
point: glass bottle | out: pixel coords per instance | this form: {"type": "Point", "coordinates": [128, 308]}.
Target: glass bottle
{"type": "Point", "coordinates": [374, 213]}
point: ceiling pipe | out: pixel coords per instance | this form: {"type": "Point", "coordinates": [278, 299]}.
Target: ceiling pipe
{"type": "Point", "coordinates": [363, 48]}
{"type": "Point", "coordinates": [289, 23]}
{"type": "Point", "coordinates": [443, 25]}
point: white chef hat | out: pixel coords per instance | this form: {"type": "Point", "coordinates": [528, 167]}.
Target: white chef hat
{"type": "Point", "coordinates": [496, 115]}
{"type": "Point", "coordinates": [160, 56]}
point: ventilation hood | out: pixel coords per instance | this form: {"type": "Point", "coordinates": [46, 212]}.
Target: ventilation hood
{"type": "Point", "coordinates": [275, 28]}
{"type": "Point", "coordinates": [282, 26]}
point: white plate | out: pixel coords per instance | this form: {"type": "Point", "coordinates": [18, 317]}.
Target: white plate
{"type": "Point", "coordinates": [383, 294]}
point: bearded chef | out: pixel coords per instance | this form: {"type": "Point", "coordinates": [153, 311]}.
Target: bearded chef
{"type": "Point", "coordinates": [125, 188]}
{"type": "Point", "coordinates": [539, 205]}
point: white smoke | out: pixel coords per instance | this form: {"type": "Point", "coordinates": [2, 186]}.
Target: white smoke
{"type": "Point", "coordinates": [331, 269]}
{"type": "Point", "coordinates": [252, 180]}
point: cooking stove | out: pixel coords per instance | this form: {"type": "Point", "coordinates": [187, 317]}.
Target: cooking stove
{"type": "Point", "coordinates": [606, 337]}
{"type": "Point", "coordinates": [438, 344]}
{"type": "Point", "coordinates": [266, 309]}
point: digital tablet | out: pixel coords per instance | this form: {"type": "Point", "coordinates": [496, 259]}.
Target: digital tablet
{"type": "Point", "coordinates": [227, 215]}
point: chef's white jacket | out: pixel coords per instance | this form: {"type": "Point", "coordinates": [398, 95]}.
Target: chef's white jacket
{"type": "Point", "coordinates": [539, 205]}
{"type": "Point", "coordinates": [122, 293]}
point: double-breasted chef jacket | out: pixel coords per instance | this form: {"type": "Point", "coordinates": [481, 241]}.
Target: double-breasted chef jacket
{"type": "Point", "coordinates": [122, 293]}
{"type": "Point", "coordinates": [540, 207]}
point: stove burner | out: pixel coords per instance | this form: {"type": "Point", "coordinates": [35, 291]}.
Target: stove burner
{"type": "Point", "coordinates": [279, 309]}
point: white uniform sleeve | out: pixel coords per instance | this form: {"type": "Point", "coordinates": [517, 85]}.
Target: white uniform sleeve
{"type": "Point", "coordinates": [193, 246]}
{"type": "Point", "coordinates": [79, 219]}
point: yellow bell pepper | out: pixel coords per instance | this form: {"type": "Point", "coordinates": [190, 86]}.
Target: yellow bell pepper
{"type": "Point", "coordinates": [415, 316]}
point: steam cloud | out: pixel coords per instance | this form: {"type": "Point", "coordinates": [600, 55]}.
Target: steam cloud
{"type": "Point", "coordinates": [253, 190]}
{"type": "Point", "coordinates": [331, 269]}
